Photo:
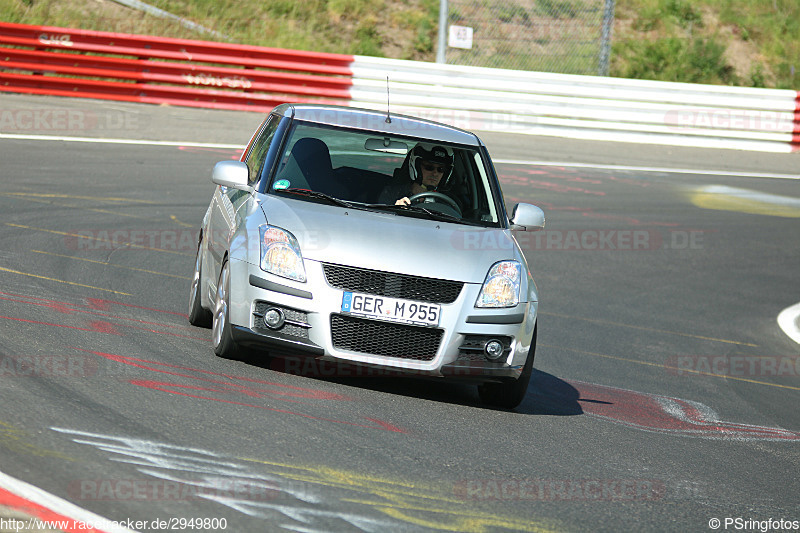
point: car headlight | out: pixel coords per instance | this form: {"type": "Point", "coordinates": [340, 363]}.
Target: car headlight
{"type": "Point", "coordinates": [501, 287]}
{"type": "Point", "coordinates": [280, 253]}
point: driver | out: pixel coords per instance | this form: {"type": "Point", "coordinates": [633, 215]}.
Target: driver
{"type": "Point", "coordinates": [428, 168]}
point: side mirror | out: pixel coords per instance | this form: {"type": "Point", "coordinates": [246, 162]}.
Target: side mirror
{"type": "Point", "coordinates": [527, 217]}
{"type": "Point", "coordinates": [233, 174]}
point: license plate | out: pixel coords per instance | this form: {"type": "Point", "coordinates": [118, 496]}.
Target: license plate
{"type": "Point", "coordinates": [392, 309]}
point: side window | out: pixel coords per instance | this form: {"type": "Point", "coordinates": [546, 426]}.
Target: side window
{"type": "Point", "coordinates": [258, 153]}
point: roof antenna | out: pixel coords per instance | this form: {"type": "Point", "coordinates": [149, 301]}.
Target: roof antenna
{"type": "Point", "coordinates": [388, 116]}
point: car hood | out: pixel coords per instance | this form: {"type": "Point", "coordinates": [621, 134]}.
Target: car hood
{"type": "Point", "coordinates": [390, 242]}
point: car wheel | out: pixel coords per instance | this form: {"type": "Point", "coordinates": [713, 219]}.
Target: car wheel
{"type": "Point", "coordinates": [221, 338]}
{"type": "Point", "coordinates": [510, 394]}
{"type": "Point", "coordinates": [198, 316]}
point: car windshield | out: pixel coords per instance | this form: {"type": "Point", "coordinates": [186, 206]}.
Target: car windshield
{"type": "Point", "coordinates": [371, 170]}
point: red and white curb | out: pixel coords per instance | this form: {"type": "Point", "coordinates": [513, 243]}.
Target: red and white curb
{"type": "Point", "coordinates": [47, 510]}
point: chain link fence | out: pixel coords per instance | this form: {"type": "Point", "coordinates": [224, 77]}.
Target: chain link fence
{"type": "Point", "coordinates": [564, 36]}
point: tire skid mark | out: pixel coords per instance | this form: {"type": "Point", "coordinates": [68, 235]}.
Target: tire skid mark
{"type": "Point", "coordinates": [97, 308]}
{"type": "Point", "coordinates": [66, 282]}
{"type": "Point", "coordinates": [297, 497]}
{"type": "Point", "coordinates": [237, 390]}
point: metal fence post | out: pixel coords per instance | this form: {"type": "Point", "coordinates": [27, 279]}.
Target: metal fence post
{"type": "Point", "coordinates": [605, 44]}
{"type": "Point", "coordinates": [440, 52]}
{"type": "Point", "coordinates": [565, 36]}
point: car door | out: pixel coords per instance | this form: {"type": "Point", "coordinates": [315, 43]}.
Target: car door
{"type": "Point", "coordinates": [225, 214]}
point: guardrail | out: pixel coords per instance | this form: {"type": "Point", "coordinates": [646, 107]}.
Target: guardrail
{"type": "Point", "coordinates": [69, 62]}
{"type": "Point", "coordinates": [585, 107]}
{"type": "Point", "coordinates": [135, 68]}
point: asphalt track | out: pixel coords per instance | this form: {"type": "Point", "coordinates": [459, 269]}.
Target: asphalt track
{"type": "Point", "coordinates": [665, 394]}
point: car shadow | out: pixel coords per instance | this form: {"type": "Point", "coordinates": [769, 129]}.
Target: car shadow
{"type": "Point", "coordinates": [550, 395]}
{"type": "Point", "coordinates": [547, 394]}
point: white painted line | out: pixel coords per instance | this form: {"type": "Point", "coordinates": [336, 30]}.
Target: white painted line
{"type": "Point", "coordinates": [788, 321]}
{"type": "Point", "coordinates": [144, 142]}
{"type": "Point", "coordinates": [650, 169]}
{"type": "Point", "coordinates": [65, 138]}
{"type": "Point", "coordinates": [59, 506]}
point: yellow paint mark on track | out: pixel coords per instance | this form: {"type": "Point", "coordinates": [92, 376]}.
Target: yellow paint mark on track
{"type": "Point", "coordinates": [412, 503]}
{"type": "Point", "coordinates": [47, 199]}
{"type": "Point", "coordinates": [654, 330]}
{"type": "Point", "coordinates": [16, 440]}
{"type": "Point", "coordinates": [79, 197]}
{"type": "Point", "coordinates": [79, 236]}
{"type": "Point", "coordinates": [178, 222]}
{"type": "Point", "coordinates": [106, 263]}
{"type": "Point", "coordinates": [670, 367]}
{"type": "Point", "coordinates": [82, 208]}
{"type": "Point", "coordinates": [723, 198]}
{"type": "Point", "coordinates": [63, 281]}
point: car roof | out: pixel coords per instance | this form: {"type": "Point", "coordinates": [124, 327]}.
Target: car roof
{"type": "Point", "coordinates": [371, 120]}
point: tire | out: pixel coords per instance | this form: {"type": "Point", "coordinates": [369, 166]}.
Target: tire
{"type": "Point", "coordinates": [510, 394]}
{"type": "Point", "coordinates": [221, 338]}
{"type": "Point", "coordinates": [198, 316]}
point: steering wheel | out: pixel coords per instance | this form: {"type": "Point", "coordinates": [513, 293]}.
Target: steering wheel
{"type": "Point", "coordinates": [436, 196]}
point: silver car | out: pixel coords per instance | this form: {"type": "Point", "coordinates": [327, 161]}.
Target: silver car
{"type": "Point", "coordinates": [331, 240]}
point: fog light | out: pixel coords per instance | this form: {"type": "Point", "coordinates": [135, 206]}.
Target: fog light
{"type": "Point", "coordinates": [493, 350]}
{"type": "Point", "coordinates": [273, 318]}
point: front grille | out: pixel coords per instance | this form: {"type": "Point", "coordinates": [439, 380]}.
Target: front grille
{"type": "Point", "coordinates": [392, 285]}
{"type": "Point", "coordinates": [387, 339]}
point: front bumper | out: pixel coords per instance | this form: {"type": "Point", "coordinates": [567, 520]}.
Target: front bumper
{"type": "Point", "coordinates": [315, 327]}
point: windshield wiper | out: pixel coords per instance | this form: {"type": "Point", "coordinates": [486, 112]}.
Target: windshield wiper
{"type": "Point", "coordinates": [410, 209]}
{"type": "Point", "coordinates": [322, 196]}
{"type": "Point", "coordinates": [437, 215]}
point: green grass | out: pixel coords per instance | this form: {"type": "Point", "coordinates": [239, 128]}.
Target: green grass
{"type": "Point", "coordinates": [734, 42]}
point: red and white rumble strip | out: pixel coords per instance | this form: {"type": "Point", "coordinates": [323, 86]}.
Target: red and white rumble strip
{"type": "Point", "coordinates": [47, 512]}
